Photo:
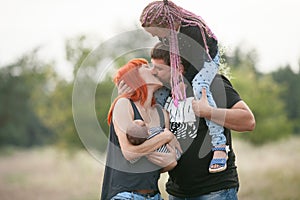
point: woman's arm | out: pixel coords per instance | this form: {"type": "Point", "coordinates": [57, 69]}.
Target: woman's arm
{"type": "Point", "coordinates": [131, 152]}
{"type": "Point", "coordinates": [167, 119]}
{"type": "Point", "coordinates": [122, 116]}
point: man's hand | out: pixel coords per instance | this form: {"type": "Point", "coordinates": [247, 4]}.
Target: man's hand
{"type": "Point", "coordinates": [238, 118]}
{"type": "Point", "coordinates": [201, 107]}
{"type": "Point", "coordinates": [124, 88]}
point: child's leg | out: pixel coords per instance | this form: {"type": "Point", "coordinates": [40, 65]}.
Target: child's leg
{"type": "Point", "coordinates": [203, 80]}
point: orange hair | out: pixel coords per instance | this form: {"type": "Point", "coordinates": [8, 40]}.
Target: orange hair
{"type": "Point", "coordinates": [130, 75]}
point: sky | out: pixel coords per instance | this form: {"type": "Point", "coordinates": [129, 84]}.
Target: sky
{"type": "Point", "coordinates": [272, 28]}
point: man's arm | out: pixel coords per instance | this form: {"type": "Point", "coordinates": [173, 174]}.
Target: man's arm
{"type": "Point", "coordinates": [238, 118]}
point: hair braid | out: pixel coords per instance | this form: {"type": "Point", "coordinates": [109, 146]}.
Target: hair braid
{"type": "Point", "coordinates": [165, 14]}
{"type": "Point", "coordinates": [175, 61]}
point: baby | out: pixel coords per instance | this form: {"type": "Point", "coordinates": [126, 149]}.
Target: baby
{"type": "Point", "coordinates": [137, 133]}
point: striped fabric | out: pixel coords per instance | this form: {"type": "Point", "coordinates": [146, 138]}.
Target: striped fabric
{"type": "Point", "coordinates": [163, 149]}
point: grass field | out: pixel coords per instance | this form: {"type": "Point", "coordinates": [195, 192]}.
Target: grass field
{"type": "Point", "coordinates": [267, 172]}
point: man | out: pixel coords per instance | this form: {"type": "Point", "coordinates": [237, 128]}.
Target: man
{"type": "Point", "coordinates": [190, 179]}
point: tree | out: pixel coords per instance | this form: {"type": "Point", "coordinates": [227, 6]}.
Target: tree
{"type": "Point", "coordinates": [88, 63]}
{"type": "Point", "coordinates": [285, 77]}
{"type": "Point", "coordinates": [263, 96]}
{"type": "Point", "coordinates": [20, 84]}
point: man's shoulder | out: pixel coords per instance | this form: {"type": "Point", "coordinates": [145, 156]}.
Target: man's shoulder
{"type": "Point", "coordinates": [220, 79]}
{"type": "Point", "coordinates": [223, 78]}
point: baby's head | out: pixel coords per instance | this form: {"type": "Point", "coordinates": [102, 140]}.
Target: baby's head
{"type": "Point", "coordinates": [137, 132]}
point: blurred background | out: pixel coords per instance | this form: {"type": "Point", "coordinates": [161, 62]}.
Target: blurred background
{"type": "Point", "coordinates": [43, 44]}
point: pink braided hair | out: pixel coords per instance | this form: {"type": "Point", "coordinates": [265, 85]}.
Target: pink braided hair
{"type": "Point", "coordinates": [165, 14]}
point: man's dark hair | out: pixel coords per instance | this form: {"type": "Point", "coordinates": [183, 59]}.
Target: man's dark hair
{"type": "Point", "coordinates": [161, 51]}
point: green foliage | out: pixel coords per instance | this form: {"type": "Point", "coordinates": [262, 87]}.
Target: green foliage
{"type": "Point", "coordinates": [77, 49]}
{"type": "Point", "coordinates": [56, 111]}
{"type": "Point", "coordinates": [224, 68]}
{"type": "Point", "coordinates": [285, 77]}
{"type": "Point", "coordinates": [58, 116]}
{"type": "Point", "coordinates": [262, 95]}
{"type": "Point", "coordinates": [104, 98]}
{"type": "Point", "coordinates": [20, 84]}
{"type": "Point", "coordinates": [36, 104]}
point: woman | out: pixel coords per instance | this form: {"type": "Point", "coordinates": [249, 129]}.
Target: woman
{"type": "Point", "coordinates": [123, 179]}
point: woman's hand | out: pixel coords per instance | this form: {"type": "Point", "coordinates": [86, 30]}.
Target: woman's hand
{"type": "Point", "coordinates": [165, 160]}
{"type": "Point", "coordinates": [175, 144]}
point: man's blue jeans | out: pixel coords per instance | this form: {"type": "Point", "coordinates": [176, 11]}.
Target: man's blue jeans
{"type": "Point", "coordinates": [227, 194]}
{"type": "Point", "coordinates": [135, 196]}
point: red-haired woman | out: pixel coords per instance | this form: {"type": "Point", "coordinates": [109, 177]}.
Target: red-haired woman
{"type": "Point", "coordinates": [139, 180]}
